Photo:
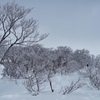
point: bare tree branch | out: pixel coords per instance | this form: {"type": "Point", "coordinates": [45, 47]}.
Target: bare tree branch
{"type": "Point", "coordinates": [15, 25]}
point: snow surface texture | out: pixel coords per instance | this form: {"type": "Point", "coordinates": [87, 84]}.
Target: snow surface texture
{"type": "Point", "coordinates": [9, 90]}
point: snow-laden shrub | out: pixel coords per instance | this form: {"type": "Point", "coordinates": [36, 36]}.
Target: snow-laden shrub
{"type": "Point", "coordinates": [1, 71]}
{"type": "Point", "coordinates": [95, 81]}
{"type": "Point", "coordinates": [33, 81]}
{"type": "Point", "coordinates": [72, 87]}
{"type": "Point", "coordinates": [93, 74]}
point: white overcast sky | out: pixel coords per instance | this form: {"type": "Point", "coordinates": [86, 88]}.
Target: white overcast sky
{"type": "Point", "coordinates": [72, 23]}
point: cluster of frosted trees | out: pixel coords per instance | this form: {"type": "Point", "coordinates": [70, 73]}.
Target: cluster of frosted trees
{"type": "Point", "coordinates": [23, 58]}
{"type": "Point", "coordinates": [38, 65]}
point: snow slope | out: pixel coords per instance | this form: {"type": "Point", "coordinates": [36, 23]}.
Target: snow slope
{"type": "Point", "coordinates": [9, 90]}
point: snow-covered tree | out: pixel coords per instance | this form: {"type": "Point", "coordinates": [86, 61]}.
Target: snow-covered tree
{"type": "Point", "coordinates": [16, 28]}
{"type": "Point", "coordinates": [64, 56]}
{"type": "Point", "coordinates": [82, 57]}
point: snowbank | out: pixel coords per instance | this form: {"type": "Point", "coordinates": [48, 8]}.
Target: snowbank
{"type": "Point", "coordinates": [10, 91]}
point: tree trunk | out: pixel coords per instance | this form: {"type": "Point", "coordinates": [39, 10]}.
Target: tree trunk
{"type": "Point", "coordinates": [50, 83]}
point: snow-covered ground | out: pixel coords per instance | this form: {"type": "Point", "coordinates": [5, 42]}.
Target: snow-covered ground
{"type": "Point", "coordinates": [9, 90]}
